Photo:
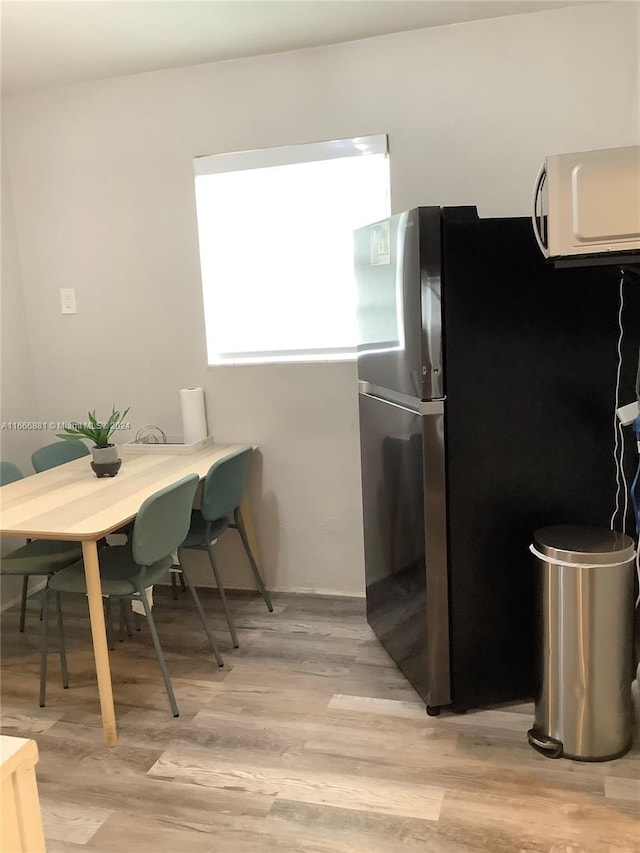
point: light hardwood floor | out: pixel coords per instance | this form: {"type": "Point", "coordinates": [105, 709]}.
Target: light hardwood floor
{"type": "Point", "coordinates": [308, 740]}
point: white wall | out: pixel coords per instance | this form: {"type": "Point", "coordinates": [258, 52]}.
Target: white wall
{"type": "Point", "coordinates": [104, 203]}
{"type": "Point", "coordinates": [18, 402]}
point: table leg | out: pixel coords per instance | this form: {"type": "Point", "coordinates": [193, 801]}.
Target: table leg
{"type": "Point", "coordinates": [99, 635]}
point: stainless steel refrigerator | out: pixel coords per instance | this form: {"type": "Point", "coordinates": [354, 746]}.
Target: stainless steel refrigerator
{"type": "Point", "coordinates": [487, 390]}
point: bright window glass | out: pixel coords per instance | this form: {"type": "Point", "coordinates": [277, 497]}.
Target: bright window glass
{"type": "Point", "coordinates": [276, 247]}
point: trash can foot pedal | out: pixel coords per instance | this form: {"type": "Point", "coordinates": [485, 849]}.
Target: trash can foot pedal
{"type": "Point", "coordinates": [545, 745]}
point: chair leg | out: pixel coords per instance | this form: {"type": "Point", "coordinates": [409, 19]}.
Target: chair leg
{"type": "Point", "coordinates": [223, 598]}
{"type": "Point", "coordinates": [125, 611]}
{"type": "Point", "coordinates": [174, 586]}
{"type": "Point", "coordinates": [161, 661]}
{"type": "Point", "coordinates": [44, 641]}
{"type": "Point", "coordinates": [23, 601]}
{"type": "Point", "coordinates": [106, 602]}
{"type": "Point", "coordinates": [254, 565]}
{"type": "Point", "coordinates": [176, 573]}
{"type": "Point", "coordinates": [203, 618]}
{"type": "Point", "coordinates": [62, 649]}
{"type": "Point", "coordinates": [136, 620]}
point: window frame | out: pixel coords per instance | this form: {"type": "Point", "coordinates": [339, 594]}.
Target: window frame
{"type": "Point", "coordinates": [211, 164]}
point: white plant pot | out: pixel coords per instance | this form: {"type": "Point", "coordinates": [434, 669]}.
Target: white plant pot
{"type": "Point", "coordinates": [105, 455]}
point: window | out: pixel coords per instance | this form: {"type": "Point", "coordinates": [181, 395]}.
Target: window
{"type": "Point", "coordinates": [276, 252]}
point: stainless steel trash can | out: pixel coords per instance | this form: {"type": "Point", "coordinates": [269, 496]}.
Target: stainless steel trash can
{"type": "Point", "coordinates": [584, 707]}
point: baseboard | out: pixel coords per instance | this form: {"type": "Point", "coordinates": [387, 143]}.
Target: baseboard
{"type": "Point", "coordinates": [15, 599]}
{"type": "Point", "coordinates": [303, 590]}
{"type": "Point", "coordinates": [293, 590]}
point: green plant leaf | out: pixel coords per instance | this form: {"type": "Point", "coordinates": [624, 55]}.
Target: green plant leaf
{"type": "Point", "coordinates": [98, 433]}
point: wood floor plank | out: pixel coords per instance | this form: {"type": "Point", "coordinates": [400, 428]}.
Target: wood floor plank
{"type": "Point", "coordinates": [159, 798]}
{"type": "Point", "coordinates": [316, 627]}
{"type": "Point", "coordinates": [70, 821]}
{"type": "Point", "coordinates": [340, 607]}
{"type": "Point", "coordinates": [13, 719]}
{"type": "Point", "coordinates": [562, 818]}
{"type": "Point", "coordinates": [309, 740]}
{"type": "Point", "coordinates": [230, 834]}
{"type": "Point", "coordinates": [328, 738]}
{"type": "Point", "coordinates": [66, 846]}
{"type": "Point", "coordinates": [503, 720]}
{"type": "Point", "coordinates": [371, 705]}
{"type": "Point", "coordinates": [390, 831]}
{"type": "Point", "coordinates": [360, 793]}
{"type": "Point", "coordinates": [128, 833]}
{"type": "Point", "coordinates": [357, 679]}
{"type": "Point", "coordinates": [623, 789]}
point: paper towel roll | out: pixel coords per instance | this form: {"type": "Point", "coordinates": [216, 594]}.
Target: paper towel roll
{"type": "Point", "coordinates": [194, 418]}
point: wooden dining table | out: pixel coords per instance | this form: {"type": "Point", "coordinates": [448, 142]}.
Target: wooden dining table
{"type": "Point", "coordinates": [69, 502]}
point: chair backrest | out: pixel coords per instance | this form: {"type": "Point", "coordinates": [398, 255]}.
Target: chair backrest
{"type": "Point", "coordinates": [163, 520]}
{"type": "Point", "coordinates": [52, 455]}
{"type": "Point", "coordinates": [9, 473]}
{"type": "Point", "coordinates": [224, 485]}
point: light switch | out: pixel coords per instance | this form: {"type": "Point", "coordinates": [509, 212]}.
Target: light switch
{"type": "Point", "coordinates": [68, 300]}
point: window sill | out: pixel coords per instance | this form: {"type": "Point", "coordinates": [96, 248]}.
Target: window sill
{"type": "Point", "coordinates": [251, 362]}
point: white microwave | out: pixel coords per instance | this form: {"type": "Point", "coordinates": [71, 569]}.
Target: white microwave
{"type": "Point", "coordinates": [587, 205]}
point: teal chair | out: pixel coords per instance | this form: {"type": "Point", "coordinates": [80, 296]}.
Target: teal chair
{"type": "Point", "coordinates": [161, 525]}
{"type": "Point", "coordinates": [9, 473]}
{"type": "Point", "coordinates": [52, 455]}
{"type": "Point", "coordinates": [39, 557]}
{"type": "Point", "coordinates": [223, 489]}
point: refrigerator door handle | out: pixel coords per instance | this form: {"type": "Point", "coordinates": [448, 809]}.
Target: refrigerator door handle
{"type": "Point", "coordinates": [402, 401]}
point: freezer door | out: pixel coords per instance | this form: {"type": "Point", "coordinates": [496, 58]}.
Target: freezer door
{"type": "Point", "coordinates": [397, 270]}
{"type": "Point", "coordinates": [405, 538]}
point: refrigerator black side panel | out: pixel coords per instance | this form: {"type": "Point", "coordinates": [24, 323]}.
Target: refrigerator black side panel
{"type": "Point", "coordinates": [530, 366]}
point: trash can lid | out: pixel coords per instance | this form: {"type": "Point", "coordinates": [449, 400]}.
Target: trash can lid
{"type": "Point", "coordinates": [576, 544]}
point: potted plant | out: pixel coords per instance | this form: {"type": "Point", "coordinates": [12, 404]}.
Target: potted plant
{"type": "Point", "coordinates": [106, 462]}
